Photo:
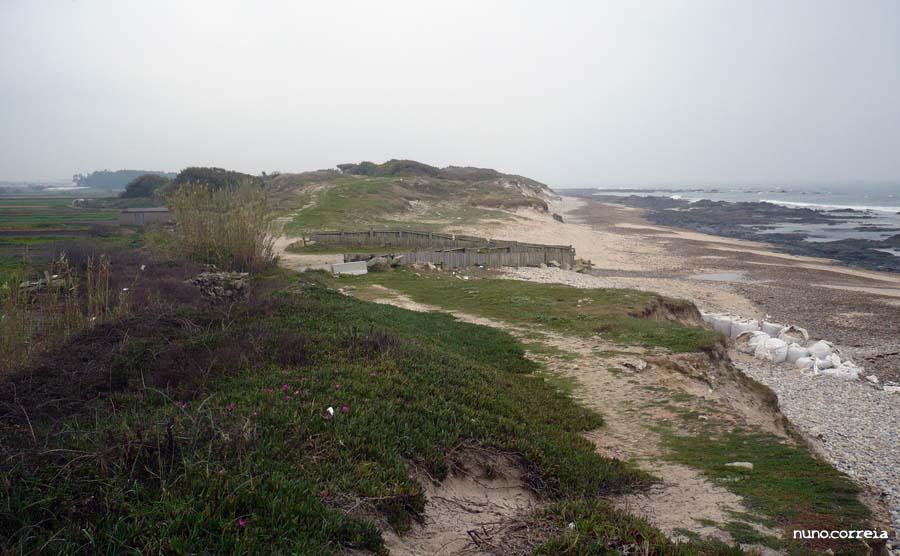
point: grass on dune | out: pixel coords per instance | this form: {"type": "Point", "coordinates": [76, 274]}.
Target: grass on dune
{"type": "Point", "coordinates": [203, 429]}
{"type": "Point", "coordinates": [583, 312]}
{"type": "Point", "coordinates": [354, 203]}
{"type": "Point", "coordinates": [348, 202]}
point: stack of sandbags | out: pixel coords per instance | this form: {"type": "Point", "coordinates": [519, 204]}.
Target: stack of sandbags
{"type": "Point", "coordinates": [739, 326]}
{"type": "Point", "coordinates": [729, 325]}
{"type": "Point", "coordinates": [775, 342]}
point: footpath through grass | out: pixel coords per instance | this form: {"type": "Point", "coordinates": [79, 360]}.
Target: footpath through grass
{"type": "Point", "coordinates": [193, 428]}
{"type": "Point", "coordinates": [582, 312]}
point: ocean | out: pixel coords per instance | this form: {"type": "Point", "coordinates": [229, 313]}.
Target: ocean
{"type": "Point", "coordinates": [880, 205]}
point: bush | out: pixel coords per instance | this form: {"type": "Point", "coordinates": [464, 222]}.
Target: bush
{"type": "Point", "coordinates": [233, 228]}
{"type": "Point", "coordinates": [144, 186]}
{"type": "Point", "coordinates": [214, 178]}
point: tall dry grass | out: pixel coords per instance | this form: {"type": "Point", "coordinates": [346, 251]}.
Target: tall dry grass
{"type": "Point", "coordinates": [61, 302]}
{"type": "Point", "coordinates": [231, 227]}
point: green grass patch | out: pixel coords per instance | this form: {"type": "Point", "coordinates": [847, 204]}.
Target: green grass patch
{"type": "Point", "coordinates": [589, 527]}
{"type": "Point", "coordinates": [37, 213]}
{"type": "Point", "coordinates": [787, 485]}
{"type": "Point", "coordinates": [9, 267]}
{"type": "Point", "coordinates": [554, 306]}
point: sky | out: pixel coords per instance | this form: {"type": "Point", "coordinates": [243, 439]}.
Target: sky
{"type": "Point", "coordinates": [567, 92]}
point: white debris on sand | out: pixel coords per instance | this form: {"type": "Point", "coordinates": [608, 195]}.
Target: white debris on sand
{"type": "Point", "coordinates": [855, 425]}
{"type": "Point", "coordinates": [552, 275]}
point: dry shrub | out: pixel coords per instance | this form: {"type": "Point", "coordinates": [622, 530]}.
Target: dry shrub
{"type": "Point", "coordinates": [231, 227]}
{"type": "Point", "coordinates": [59, 304]}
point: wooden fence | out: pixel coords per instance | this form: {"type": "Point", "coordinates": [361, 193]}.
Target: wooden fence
{"type": "Point", "coordinates": [449, 250]}
{"type": "Point", "coordinates": [459, 258]}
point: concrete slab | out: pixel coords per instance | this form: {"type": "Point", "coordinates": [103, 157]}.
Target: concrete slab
{"type": "Point", "coordinates": [356, 268]}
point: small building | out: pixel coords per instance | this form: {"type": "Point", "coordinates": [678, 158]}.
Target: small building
{"type": "Point", "coordinates": [145, 216]}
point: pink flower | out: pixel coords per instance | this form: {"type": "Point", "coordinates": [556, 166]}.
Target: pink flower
{"type": "Point", "coordinates": [241, 522]}
{"type": "Point", "coordinates": [337, 386]}
{"type": "Point", "coordinates": [345, 408]}
{"type": "Point", "coordinates": [229, 406]}
{"type": "Point", "coordinates": [285, 387]}
{"type": "Point", "coordinates": [373, 374]}
{"type": "Point", "coordinates": [181, 405]}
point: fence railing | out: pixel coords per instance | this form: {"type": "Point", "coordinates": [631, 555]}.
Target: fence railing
{"type": "Point", "coordinates": [448, 250]}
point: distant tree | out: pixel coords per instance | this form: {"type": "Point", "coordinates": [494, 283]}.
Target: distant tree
{"type": "Point", "coordinates": [144, 186]}
{"type": "Point", "coordinates": [112, 179]}
{"type": "Point", "coordinates": [214, 178]}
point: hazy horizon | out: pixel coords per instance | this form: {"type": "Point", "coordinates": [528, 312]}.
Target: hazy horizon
{"type": "Point", "coordinates": [666, 93]}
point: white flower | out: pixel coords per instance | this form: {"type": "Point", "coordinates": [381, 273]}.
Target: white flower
{"type": "Point", "coordinates": [124, 289]}
{"type": "Point", "coordinates": [143, 266]}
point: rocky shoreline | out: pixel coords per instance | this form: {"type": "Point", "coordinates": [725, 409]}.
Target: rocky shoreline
{"type": "Point", "coordinates": [755, 221]}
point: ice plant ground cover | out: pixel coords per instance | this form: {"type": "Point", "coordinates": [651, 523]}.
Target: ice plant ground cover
{"type": "Point", "coordinates": [172, 429]}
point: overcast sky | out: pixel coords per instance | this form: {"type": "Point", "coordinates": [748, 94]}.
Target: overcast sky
{"type": "Point", "coordinates": [591, 93]}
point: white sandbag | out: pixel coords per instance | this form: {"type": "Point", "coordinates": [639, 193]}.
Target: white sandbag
{"type": "Point", "coordinates": [823, 364]}
{"type": "Point", "coordinates": [739, 326]}
{"type": "Point", "coordinates": [772, 349]}
{"type": "Point", "coordinates": [805, 363]}
{"type": "Point", "coordinates": [794, 334]}
{"type": "Point", "coordinates": [795, 352]}
{"type": "Point", "coordinates": [722, 324]}
{"type": "Point", "coordinates": [772, 329]}
{"type": "Point", "coordinates": [821, 349]}
{"type": "Point", "coordinates": [747, 341]}
{"type": "Point", "coordinates": [757, 339]}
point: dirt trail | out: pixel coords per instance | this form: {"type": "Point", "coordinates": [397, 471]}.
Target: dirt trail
{"type": "Point", "coordinates": [301, 262]}
{"type": "Point", "coordinates": [627, 391]}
